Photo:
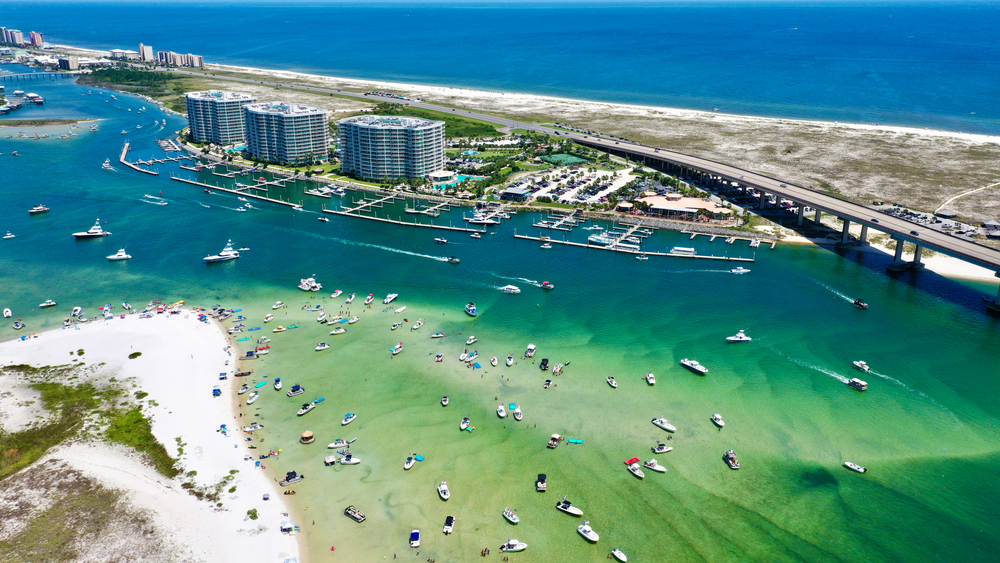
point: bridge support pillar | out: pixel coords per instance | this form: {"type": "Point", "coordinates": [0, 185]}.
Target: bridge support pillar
{"type": "Point", "coordinates": [917, 264]}
{"type": "Point", "coordinates": [845, 233]}
{"type": "Point", "coordinates": [864, 234]}
{"type": "Point", "coordinates": [818, 218]}
{"type": "Point", "coordinates": [802, 212]}
{"type": "Point", "coordinates": [761, 198]}
{"type": "Point", "coordinates": [898, 265]}
{"type": "Point", "coordinates": [994, 306]}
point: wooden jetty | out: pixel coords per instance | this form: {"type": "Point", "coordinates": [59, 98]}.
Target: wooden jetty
{"type": "Point", "coordinates": [630, 251]}
{"type": "Point", "coordinates": [228, 190]}
{"type": "Point", "coordinates": [754, 240]}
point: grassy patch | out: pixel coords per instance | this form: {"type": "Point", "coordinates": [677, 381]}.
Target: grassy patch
{"type": "Point", "coordinates": [36, 122]}
{"type": "Point", "coordinates": [131, 428]}
{"type": "Point", "coordinates": [454, 125]}
{"type": "Point", "coordinates": [134, 355]}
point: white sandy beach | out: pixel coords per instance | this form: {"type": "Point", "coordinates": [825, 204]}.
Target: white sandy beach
{"type": "Point", "coordinates": [180, 363]}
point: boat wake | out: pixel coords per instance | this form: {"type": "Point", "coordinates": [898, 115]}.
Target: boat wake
{"type": "Point", "coordinates": [820, 369]}
{"type": "Point", "coordinates": [835, 292]}
{"type": "Point", "coordinates": [205, 206]}
{"type": "Point", "coordinates": [369, 245]}
{"type": "Point", "coordinates": [535, 283]}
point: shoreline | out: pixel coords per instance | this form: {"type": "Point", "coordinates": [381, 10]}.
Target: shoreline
{"type": "Point", "coordinates": [471, 93]}
{"type": "Point", "coordinates": [181, 411]}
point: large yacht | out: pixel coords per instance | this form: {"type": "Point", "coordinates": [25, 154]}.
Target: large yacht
{"type": "Point", "coordinates": [38, 209]}
{"type": "Point", "coordinates": [94, 232]}
{"type": "Point", "coordinates": [227, 254]}
{"type": "Point", "coordinates": [479, 218]}
{"type": "Point", "coordinates": [694, 366]}
{"type": "Point", "coordinates": [740, 336]}
{"type": "Point", "coordinates": [310, 284]}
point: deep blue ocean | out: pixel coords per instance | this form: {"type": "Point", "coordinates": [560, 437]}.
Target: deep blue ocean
{"type": "Point", "coordinates": [921, 64]}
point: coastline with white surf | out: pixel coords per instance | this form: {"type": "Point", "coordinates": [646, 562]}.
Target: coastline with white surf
{"type": "Point", "coordinates": [180, 362]}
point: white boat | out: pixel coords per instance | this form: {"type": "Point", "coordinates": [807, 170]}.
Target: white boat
{"type": "Point", "coordinates": [396, 325]}
{"type": "Point", "coordinates": [321, 317]}
{"type": "Point", "coordinates": [350, 298]}
{"type": "Point", "coordinates": [397, 348]}
{"type": "Point", "coordinates": [510, 516]}
{"type": "Point", "coordinates": [501, 412]}
{"type": "Point", "coordinates": [400, 310]}
{"type": "Point", "coordinates": [858, 384]}
{"type": "Point", "coordinates": [650, 378]}
{"type": "Point", "coordinates": [409, 462]}
{"type": "Point", "coordinates": [322, 346]}
{"type": "Point", "coordinates": [349, 459]}
{"type": "Point", "coordinates": [518, 416]}
{"type": "Point", "coordinates": [862, 366]}
{"type": "Point", "coordinates": [472, 356]}
{"type": "Point", "coordinates": [390, 298]}
{"type": "Point", "coordinates": [546, 246]}
{"type": "Point", "coordinates": [855, 467]}
{"type": "Point", "coordinates": [253, 398]}
{"type": "Point", "coordinates": [9, 235]}
{"type": "Point", "coordinates": [740, 336]}
{"type": "Point", "coordinates": [353, 320]}
{"type": "Point", "coordinates": [717, 419]}
{"type": "Point", "coordinates": [418, 325]}
{"type": "Point", "coordinates": [277, 305]}
{"type": "Point", "coordinates": [617, 554]}
{"type": "Point", "coordinates": [253, 426]}
{"type": "Point", "coordinates": [464, 355]}
{"type": "Point", "coordinates": [662, 423]}
{"type": "Point", "coordinates": [530, 351]}
{"type": "Point", "coordinates": [661, 448]}
{"type": "Point", "coordinates": [730, 459]}
{"type": "Point", "coordinates": [348, 418]}
{"type": "Point", "coordinates": [125, 305]}
{"type": "Point", "coordinates": [443, 490]}
{"type": "Point", "coordinates": [652, 464]}
{"type": "Point", "coordinates": [48, 303]}
{"type": "Point", "coordinates": [494, 361]}
{"type": "Point", "coordinates": [471, 340]}
{"type": "Point", "coordinates": [445, 400]}
{"type": "Point", "coordinates": [466, 422]}
{"type": "Point", "coordinates": [338, 443]}
{"type": "Point", "coordinates": [94, 232]}
{"type": "Point", "coordinates": [587, 532]}
{"type": "Point", "coordinates": [280, 329]}
{"type": "Point", "coordinates": [277, 380]}
{"type": "Point", "coordinates": [510, 360]}
{"type": "Point", "coordinates": [513, 545]}
{"type": "Point", "coordinates": [636, 470]}
{"type": "Point", "coordinates": [336, 294]}
{"type": "Point", "coordinates": [37, 209]}
{"type": "Point", "coordinates": [227, 254]}
{"type": "Point", "coordinates": [567, 507]}
{"type": "Point", "coordinates": [369, 299]}
{"type": "Point", "coordinates": [7, 313]}
{"type": "Point", "coordinates": [612, 382]}
{"type": "Point", "coordinates": [470, 309]}
{"type": "Point", "coordinates": [642, 257]}
{"type": "Point", "coordinates": [441, 240]}
{"type": "Point", "coordinates": [415, 538]}
{"type": "Point", "coordinates": [268, 318]}
{"type": "Point", "coordinates": [309, 284]}
{"type": "Point", "coordinates": [449, 525]}
{"type": "Point", "coordinates": [77, 311]}
{"type": "Point", "coordinates": [740, 270]}
{"type": "Point", "coordinates": [510, 289]}
{"type": "Point", "coordinates": [306, 408]}
{"type": "Point", "coordinates": [694, 366]}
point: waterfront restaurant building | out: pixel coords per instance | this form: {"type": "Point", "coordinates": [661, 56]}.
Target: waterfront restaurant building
{"type": "Point", "coordinates": [217, 117]}
{"type": "Point", "coordinates": [287, 133]}
{"type": "Point", "coordinates": [374, 146]}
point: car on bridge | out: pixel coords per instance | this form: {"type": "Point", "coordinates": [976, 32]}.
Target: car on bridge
{"type": "Point", "coordinates": [915, 233]}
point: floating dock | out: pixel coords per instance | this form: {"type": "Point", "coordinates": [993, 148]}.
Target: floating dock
{"type": "Point", "coordinates": [630, 251]}
{"type": "Point", "coordinates": [232, 191]}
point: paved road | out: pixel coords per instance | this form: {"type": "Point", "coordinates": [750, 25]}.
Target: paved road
{"type": "Point", "coordinates": [898, 228]}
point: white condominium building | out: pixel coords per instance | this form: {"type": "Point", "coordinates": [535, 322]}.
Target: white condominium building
{"type": "Point", "coordinates": [286, 132]}
{"type": "Point", "coordinates": [217, 117]}
{"type": "Point", "coordinates": [374, 146]}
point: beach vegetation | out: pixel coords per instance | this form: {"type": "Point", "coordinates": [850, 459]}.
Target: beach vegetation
{"type": "Point", "coordinates": [131, 428]}
{"type": "Point", "coordinates": [140, 395]}
{"type": "Point", "coordinates": [134, 355]}
{"type": "Point", "coordinates": [454, 125]}
{"type": "Point", "coordinates": [252, 514]}
{"type": "Point", "coordinates": [79, 352]}
{"type": "Point", "coordinates": [232, 490]}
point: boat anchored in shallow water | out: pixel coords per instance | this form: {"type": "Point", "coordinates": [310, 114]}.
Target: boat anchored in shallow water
{"type": "Point", "coordinates": [513, 545]}
{"type": "Point", "coordinates": [120, 255]}
{"type": "Point", "coordinates": [510, 516]}
{"type": "Point", "coordinates": [227, 254]}
{"type": "Point", "coordinates": [730, 459]}
{"type": "Point", "coordinates": [95, 232]}
{"type": "Point", "coordinates": [662, 423]}
{"type": "Point", "coordinates": [855, 467]}
{"type": "Point", "coordinates": [470, 309]}
{"type": "Point", "coordinates": [587, 532]}
{"type": "Point", "coordinates": [612, 382]}
{"type": "Point", "coordinates": [717, 420]}
{"type": "Point", "coordinates": [740, 336]}
{"type": "Point", "coordinates": [443, 490]}
{"type": "Point", "coordinates": [694, 366]}
{"type": "Point", "coordinates": [567, 507]}
{"type": "Point", "coordinates": [633, 467]}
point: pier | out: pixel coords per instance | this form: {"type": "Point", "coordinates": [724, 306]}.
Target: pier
{"type": "Point", "coordinates": [122, 160]}
{"type": "Point", "coordinates": [232, 191]}
{"type": "Point", "coordinates": [560, 220]}
{"type": "Point", "coordinates": [368, 204]}
{"type": "Point", "coordinates": [754, 240]}
{"type": "Point", "coordinates": [611, 248]}
{"type": "Point", "coordinates": [396, 222]}
{"type": "Point", "coordinates": [433, 210]}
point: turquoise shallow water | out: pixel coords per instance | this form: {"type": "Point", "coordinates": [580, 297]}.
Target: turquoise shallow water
{"type": "Point", "coordinates": [927, 429]}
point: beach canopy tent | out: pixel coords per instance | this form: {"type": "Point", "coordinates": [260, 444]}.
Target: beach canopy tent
{"type": "Point", "coordinates": [287, 526]}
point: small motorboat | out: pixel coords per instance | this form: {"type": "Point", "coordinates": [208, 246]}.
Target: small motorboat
{"type": "Point", "coordinates": [350, 298]}
{"type": "Point", "coordinates": [336, 294]}
{"type": "Point", "coordinates": [353, 320]}
{"type": "Point", "coordinates": [296, 390]}
{"type": "Point", "coordinates": [472, 356]}
{"type": "Point", "coordinates": [501, 412]}
{"type": "Point", "coordinates": [51, 303]}
{"type": "Point", "coordinates": [439, 357]}
{"type": "Point", "coordinates": [587, 532]}
{"type": "Point", "coordinates": [633, 467]}
{"type": "Point", "coordinates": [453, 260]}
{"type": "Point", "coordinates": [510, 516]}
{"type": "Point", "coordinates": [253, 398]}
{"type": "Point", "coordinates": [18, 325]}
{"type": "Point", "coordinates": [860, 304]}
{"type": "Point", "coordinates": [77, 311]}
{"type": "Point", "coordinates": [642, 257]}
{"type": "Point", "coordinates": [862, 366]}
{"type": "Point", "coordinates": [280, 329]}
{"type": "Point", "coordinates": [444, 401]}
{"type": "Point", "coordinates": [449, 525]}
{"type": "Point", "coordinates": [419, 324]}
{"type": "Point", "coordinates": [321, 317]}
{"type": "Point", "coordinates": [513, 545]}
{"type": "Point", "coordinates": [662, 423]}
{"type": "Point", "coordinates": [253, 426]}
{"type": "Point", "coordinates": [443, 490]}
{"type": "Point", "coordinates": [338, 443]}
{"type": "Point", "coordinates": [277, 305]}
{"type": "Point", "coordinates": [740, 270]}
{"type": "Point", "coordinates": [567, 507]}
{"type": "Point", "coordinates": [476, 235]}
{"type": "Point", "coordinates": [858, 384]}
{"type": "Point", "coordinates": [409, 462]}
{"type": "Point", "coordinates": [546, 245]}
{"type": "Point", "coordinates": [544, 365]}
{"type": "Point", "coordinates": [494, 361]}
{"type": "Point", "coordinates": [291, 478]}
{"type": "Point", "coordinates": [694, 366]}
{"type": "Point", "coordinates": [547, 285]}
{"type": "Point", "coordinates": [369, 299]}
{"type": "Point", "coordinates": [471, 340]}
{"type": "Point", "coordinates": [348, 418]}
{"type": "Point", "coordinates": [390, 298]}
{"type": "Point", "coordinates": [470, 309]}
{"type": "Point", "coordinates": [513, 289]}
{"type": "Point", "coordinates": [120, 255]}
{"type": "Point", "coordinates": [7, 313]}
{"type": "Point", "coordinates": [277, 384]}
{"type": "Point", "coordinates": [730, 459]}
{"type": "Point", "coordinates": [510, 360]}
{"type": "Point", "coordinates": [466, 422]}
{"type": "Point", "coordinates": [243, 389]}
{"type": "Point", "coordinates": [349, 459]}
{"type": "Point", "coordinates": [650, 378]}
{"type": "Point", "coordinates": [415, 538]}
{"type": "Point", "coordinates": [306, 408]}
{"type": "Point", "coordinates": [441, 240]}
{"type": "Point", "coordinates": [740, 336]}
{"type": "Point", "coordinates": [338, 330]}
{"type": "Point", "coordinates": [855, 467]}
{"type": "Point", "coordinates": [518, 416]}
{"type": "Point", "coordinates": [397, 348]}
{"type": "Point", "coordinates": [268, 318]}
{"type": "Point", "coordinates": [322, 346]}
{"type": "Point", "coordinates": [652, 464]}
{"type": "Point", "coordinates": [530, 351]}
{"type": "Point", "coordinates": [9, 235]}
{"type": "Point", "coordinates": [324, 219]}
{"type": "Point", "coordinates": [396, 325]}
{"type": "Point", "coordinates": [612, 382]}
{"type": "Point", "coordinates": [464, 355]}
{"type": "Point", "coordinates": [661, 448]}
{"type": "Point", "coordinates": [540, 483]}
{"type": "Point", "coordinates": [717, 419]}
{"type": "Point", "coordinates": [618, 555]}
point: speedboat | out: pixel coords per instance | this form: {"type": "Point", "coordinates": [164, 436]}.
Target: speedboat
{"type": "Point", "coordinates": [517, 413]}
{"type": "Point", "coordinates": [253, 398]}
{"type": "Point", "coordinates": [855, 467]}
{"type": "Point", "coordinates": [409, 462]}
{"type": "Point", "coordinates": [415, 538]}
{"type": "Point", "coordinates": [617, 554]}
{"type": "Point", "coordinates": [513, 545]}
{"type": "Point", "coordinates": [717, 419]}
{"type": "Point", "coordinates": [353, 320]}
{"type": "Point", "coordinates": [18, 325]}
{"type": "Point", "coordinates": [662, 423]}
{"type": "Point", "coordinates": [290, 478]}
{"type": "Point", "coordinates": [862, 366]}
{"type": "Point", "coordinates": [858, 384]}
{"type": "Point", "coordinates": [277, 384]}
{"type": "Point", "coordinates": [730, 459]}
{"type": "Point", "coordinates": [277, 305]}
{"type": "Point", "coordinates": [650, 378]}
{"type": "Point", "coordinates": [470, 309]}
{"type": "Point", "coordinates": [493, 361]}
{"type": "Point", "coordinates": [309, 284]}
{"type": "Point", "coordinates": [338, 330]}
{"type": "Point", "coordinates": [400, 310]}
{"type": "Point", "coordinates": [567, 507]}
{"type": "Point", "coordinates": [396, 325]}
{"type": "Point", "coordinates": [471, 340]}
{"type": "Point", "coordinates": [449, 525]}
{"type": "Point", "coordinates": [642, 257]}
{"type": "Point", "coordinates": [390, 298]}
{"type": "Point", "coordinates": [544, 365]}
{"type": "Point", "coordinates": [530, 351]}
{"type": "Point", "coordinates": [444, 401]}
{"type": "Point", "coordinates": [740, 336]}
{"type": "Point", "coordinates": [466, 422]}
{"type": "Point", "coordinates": [540, 483]}
{"type": "Point", "coordinates": [612, 382]}
{"type": "Point", "coordinates": [510, 289]}
{"type": "Point", "coordinates": [453, 260]}
{"type": "Point", "coordinates": [860, 304]}
{"type": "Point", "coordinates": [369, 299]}
{"type": "Point", "coordinates": [125, 305]}
{"type": "Point", "coordinates": [268, 318]}
{"type": "Point", "coordinates": [441, 240]}
{"type": "Point", "coordinates": [306, 408]}
{"type": "Point", "coordinates": [464, 355]}
{"type": "Point", "coordinates": [694, 366]}
{"type": "Point", "coordinates": [443, 490]}
{"type": "Point", "coordinates": [7, 313]}
{"type": "Point", "coordinates": [510, 516]}
{"type": "Point", "coordinates": [339, 443]}
{"type": "Point", "coordinates": [740, 270]}
{"type": "Point", "coordinates": [77, 311]}
{"type": "Point", "coordinates": [547, 285]}
{"type": "Point", "coordinates": [38, 209]}
{"type": "Point", "coordinates": [322, 346]}
{"type": "Point", "coordinates": [280, 329]}
{"type": "Point", "coordinates": [437, 335]}
{"type": "Point", "coordinates": [633, 467]}
{"type": "Point", "coordinates": [472, 356]}
{"type": "Point", "coordinates": [418, 325]}
{"type": "Point", "coordinates": [48, 303]}
{"type": "Point", "coordinates": [348, 418]}
{"type": "Point", "coordinates": [94, 232]}
{"type": "Point", "coordinates": [336, 294]}
{"type": "Point", "coordinates": [227, 254]}
{"type": "Point", "coordinates": [349, 459]}
{"type": "Point", "coordinates": [587, 532]}
{"type": "Point", "coordinates": [546, 245]}
{"type": "Point", "coordinates": [253, 426]}
{"type": "Point", "coordinates": [397, 348]}
{"type": "Point", "coordinates": [439, 357]}
{"type": "Point", "coordinates": [501, 412]}
{"type": "Point", "coordinates": [350, 298]}
{"type": "Point", "coordinates": [510, 360]}
{"type": "Point", "coordinates": [661, 448]}
{"type": "Point", "coordinates": [652, 464]}
{"type": "Point", "coordinates": [321, 317]}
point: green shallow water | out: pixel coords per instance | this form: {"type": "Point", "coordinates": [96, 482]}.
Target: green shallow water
{"type": "Point", "coordinates": [927, 429]}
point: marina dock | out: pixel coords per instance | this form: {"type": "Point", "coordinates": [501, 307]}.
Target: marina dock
{"type": "Point", "coordinates": [368, 204]}
{"type": "Point", "coordinates": [754, 240]}
{"type": "Point", "coordinates": [433, 210]}
{"type": "Point", "coordinates": [630, 251]}
{"type": "Point", "coordinates": [232, 191]}
{"type": "Point", "coordinates": [122, 160]}
{"type": "Point", "coordinates": [395, 222]}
